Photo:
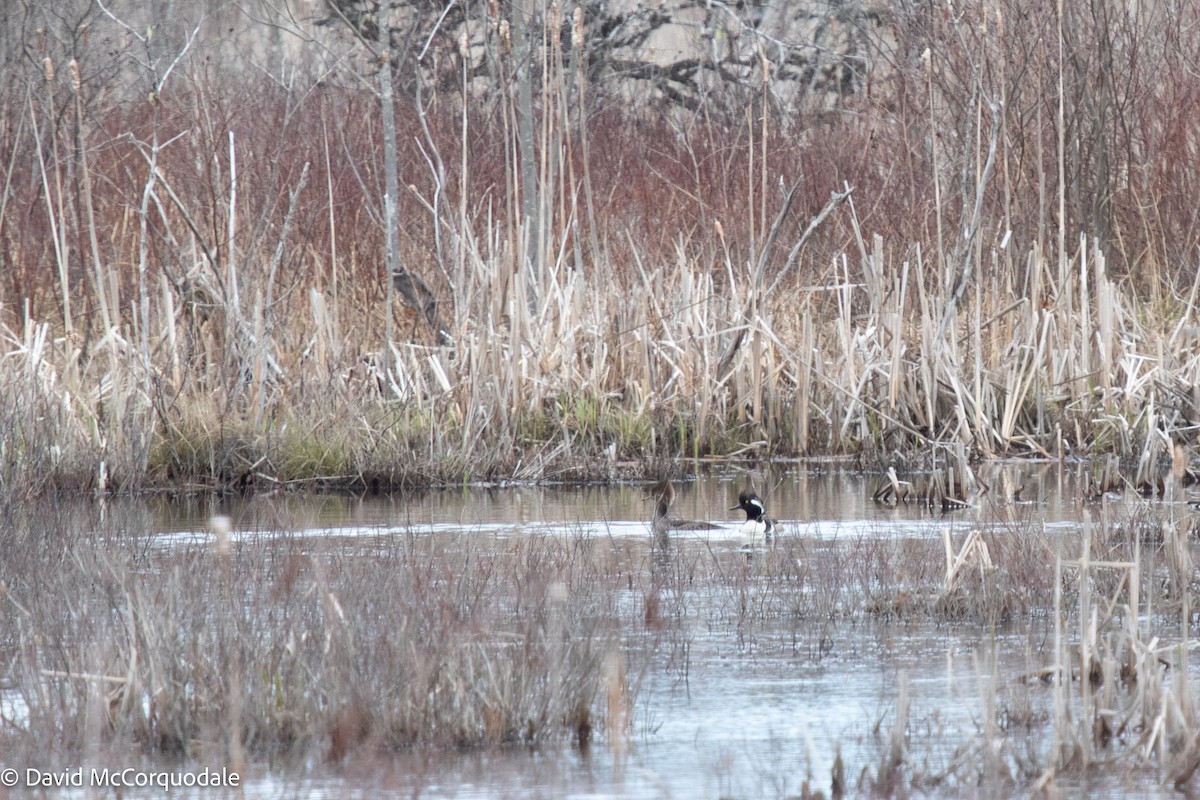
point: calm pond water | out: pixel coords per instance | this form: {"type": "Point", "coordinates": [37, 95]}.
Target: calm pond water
{"type": "Point", "coordinates": [824, 503]}
{"type": "Point", "coordinates": [719, 712]}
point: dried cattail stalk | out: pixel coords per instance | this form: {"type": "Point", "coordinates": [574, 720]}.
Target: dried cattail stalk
{"type": "Point", "coordinates": [505, 38]}
{"type": "Point", "coordinates": [577, 28]}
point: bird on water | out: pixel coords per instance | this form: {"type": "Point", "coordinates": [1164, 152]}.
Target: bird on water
{"type": "Point", "coordinates": [664, 495]}
{"type": "Point", "coordinates": [758, 524]}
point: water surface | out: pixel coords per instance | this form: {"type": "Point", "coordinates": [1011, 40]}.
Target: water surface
{"type": "Point", "coordinates": [728, 704]}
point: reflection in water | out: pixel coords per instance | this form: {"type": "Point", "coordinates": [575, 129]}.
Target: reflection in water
{"type": "Point", "coordinates": [749, 674]}
{"type": "Point", "coordinates": [804, 502]}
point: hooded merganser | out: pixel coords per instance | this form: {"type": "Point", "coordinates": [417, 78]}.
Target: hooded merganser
{"type": "Point", "coordinates": [757, 522]}
{"type": "Point", "coordinates": [664, 494]}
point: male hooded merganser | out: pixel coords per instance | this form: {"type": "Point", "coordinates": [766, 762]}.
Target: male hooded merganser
{"type": "Point", "coordinates": [757, 522]}
{"type": "Point", "coordinates": [664, 494]}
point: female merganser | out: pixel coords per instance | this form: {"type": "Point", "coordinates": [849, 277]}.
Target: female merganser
{"type": "Point", "coordinates": [757, 522]}
{"type": "Point", "coordinates": [664, 494]}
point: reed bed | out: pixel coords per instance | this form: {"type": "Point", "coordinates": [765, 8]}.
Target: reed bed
{"type": "Point", "coordinates": [226, 649]}
{"type": "Point", "coordinates": [589, 382]}
{"type": "Point", "coordinates": [214, 290]}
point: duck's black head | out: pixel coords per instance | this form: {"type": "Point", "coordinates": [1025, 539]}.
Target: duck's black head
{"type": "Point", "coordinates": [749, 502]}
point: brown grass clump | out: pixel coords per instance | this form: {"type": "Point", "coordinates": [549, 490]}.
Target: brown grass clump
{"type": "Point", "coordinates": [272, 644]}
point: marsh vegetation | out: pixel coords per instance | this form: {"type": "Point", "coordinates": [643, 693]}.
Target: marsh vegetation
{"type": "Point", "coordinates": [381, 280]}
{"type": "Point", "coordinates": [207, 288]}
{"type": "Point", "coordinates": [1009, 646]}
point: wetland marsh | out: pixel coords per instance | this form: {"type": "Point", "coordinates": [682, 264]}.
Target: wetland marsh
{"type": "Point", "coordinates": [332, 380]}
{"type": "Point", "coordinates": [532, 641]}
